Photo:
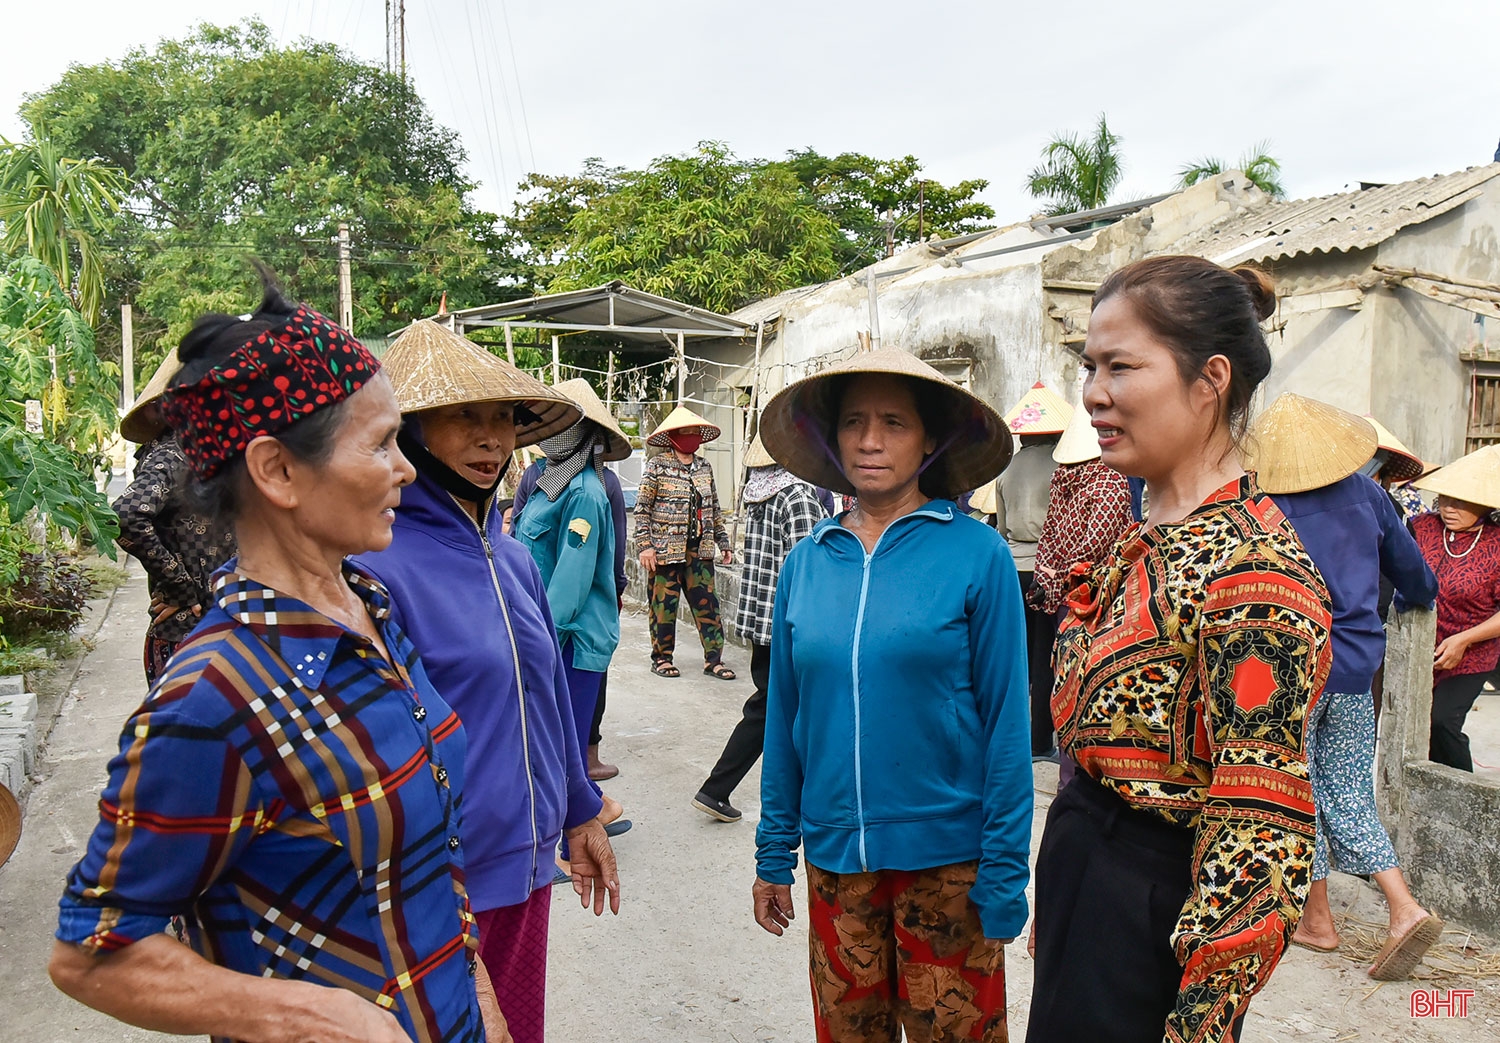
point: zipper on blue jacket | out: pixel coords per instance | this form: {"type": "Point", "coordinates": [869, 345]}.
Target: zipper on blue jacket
{"type": "Point", "coordinates": [859, 624]}
{"type": "Point", "coordinates": [859, 783]}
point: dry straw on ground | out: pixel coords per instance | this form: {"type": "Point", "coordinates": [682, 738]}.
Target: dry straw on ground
{"type": "Point", "coordinates": [1457, 954]}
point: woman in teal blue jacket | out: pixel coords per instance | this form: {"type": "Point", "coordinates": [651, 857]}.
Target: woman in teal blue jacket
{"type": "Point", "coordinates": [897, 749]}
{"type": "Point", "coordinates": [569, 529]}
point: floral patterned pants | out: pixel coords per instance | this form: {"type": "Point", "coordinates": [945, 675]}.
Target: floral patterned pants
{"type": "Point", "coordinates": [898, 949]}
{"type": "Point", "coordinates": [1341, 761]}
{"type": "Point", "coordinates": [695, 578]}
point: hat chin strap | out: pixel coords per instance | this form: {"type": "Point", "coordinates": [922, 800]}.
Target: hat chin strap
{"type": "Point", "coordinates": [422, 459]}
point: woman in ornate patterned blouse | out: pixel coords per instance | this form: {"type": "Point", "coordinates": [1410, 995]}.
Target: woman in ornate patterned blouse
{"type": "Point", "coordinates": [1174, 867]}
{"type": "Point", "coordinates": [1462, 547]}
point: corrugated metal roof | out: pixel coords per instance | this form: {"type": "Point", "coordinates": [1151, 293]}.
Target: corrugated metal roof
{"type": "Point", "coordinates": [1331, 224]}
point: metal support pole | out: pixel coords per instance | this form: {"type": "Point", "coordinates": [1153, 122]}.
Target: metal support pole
{"type": "Point", "coordinates": [609, 383]}
{"type": "Point", "coordinates": [874, 311]}
{"type": "Point", "coordinates": [510, 347]}
{"type": "Point", "coordinates": [681, 369]}
{"type": "Point", "coordinates": [346, 289]}
{"type": "Point", "coordinates": [127, 374]}
{"type": "Point", "coordinates": [556, 362]}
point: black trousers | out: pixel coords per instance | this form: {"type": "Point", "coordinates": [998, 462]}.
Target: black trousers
{"type": "Point", "coordinates": [1452, 699]}
{"type": "Point", "coordinates": [1110, 884]}
{"type": "Point", "coordinates": [1041, 633]}
{"type": "Point", "coordinates": [598, 711]}
{"type": "Point", "coordinates": [748, 739]}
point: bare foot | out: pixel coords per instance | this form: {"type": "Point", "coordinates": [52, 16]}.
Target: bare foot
{"type": "Point", "coordinates": [1322, 936]}
{"type": "Point", "coordinates": [612, 810]}
{"type": "Point", "coordinates": [1405, 918]}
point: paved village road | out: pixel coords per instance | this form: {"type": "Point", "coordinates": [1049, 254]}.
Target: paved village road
{"type": "Point", "coordinates": [684, 961]}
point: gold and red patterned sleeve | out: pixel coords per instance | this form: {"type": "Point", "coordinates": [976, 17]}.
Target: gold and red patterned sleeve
{"type": "Point", "coordinates": [1263, 656]}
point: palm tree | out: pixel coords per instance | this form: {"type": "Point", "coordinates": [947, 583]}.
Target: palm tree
{"type": "Point", "coordinates": [1261, 168]}
{"type": "Point", "coordinates": [51, 207]}
{"type": "Point", "coordinates": [1078, 173]}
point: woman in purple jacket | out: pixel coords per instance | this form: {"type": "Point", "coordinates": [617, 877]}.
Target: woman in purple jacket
{"type": "Point", "coordinates": [474, 603]}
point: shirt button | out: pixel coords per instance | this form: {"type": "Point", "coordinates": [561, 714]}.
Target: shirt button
{"type": "Point", "coordinates": [452, 843]}
{"type": "Point", "coordinates": [420, 713]}
{"type": "Point", "coordinates": [473, 968]}
{"type": "Point", "coordinates": [442, 774]}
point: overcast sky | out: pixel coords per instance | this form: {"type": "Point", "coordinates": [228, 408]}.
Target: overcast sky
{"type": "Point", "coordinates": [1379, 91]}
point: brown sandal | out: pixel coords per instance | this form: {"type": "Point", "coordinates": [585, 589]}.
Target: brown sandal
{"type": "Point", "coordinates": [1400, 956]}
{"type": "Point", "coordinates": [720, 671]}
{"type": "Point", "coordinates": [664, 668]}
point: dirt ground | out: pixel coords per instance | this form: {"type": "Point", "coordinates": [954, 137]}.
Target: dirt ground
{"type": "Point", "coordinates": [684, 960]}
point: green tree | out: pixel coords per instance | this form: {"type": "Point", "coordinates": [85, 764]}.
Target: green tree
{"type": "Point", "coordinates": [1257, 163]}
{"type": "Point", "coordinates": [876, 202]}
{"type": "Point", "coordinates": [47, 353]}
{"type": "Point", "coordinates": [235, 147]}
{"type": "Point", "coordinates": [706, 228]}
{"type": "Point", "coordinates": [51, 207]}
{"type": "Point", "coordinates": [540, 226]}
{"type": "Point", "coordinates": [1077, 172]}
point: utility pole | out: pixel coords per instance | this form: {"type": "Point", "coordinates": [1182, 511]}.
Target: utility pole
{"type": "Point", "coordinates": [556, 362]}
{"type": "Point", "coordinates": [681, 369]}
{"type": "Point", "coordinates": [401, 19]}
{"type": "Point", "coordinates": [921, 211]}
{"type": "Point", "coordinates": [874, 310]}
{"type": "Point", "coordinates": [346, 287]}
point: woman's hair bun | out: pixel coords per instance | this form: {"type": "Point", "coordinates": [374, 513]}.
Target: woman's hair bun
{"type": "Point", "coordinates": [1262, 290]}
{"type": "Point", "coordinates": [215, 335]}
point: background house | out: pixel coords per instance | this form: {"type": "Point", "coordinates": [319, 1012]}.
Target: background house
{"type": "Point", "coordinates": [1385, 296]}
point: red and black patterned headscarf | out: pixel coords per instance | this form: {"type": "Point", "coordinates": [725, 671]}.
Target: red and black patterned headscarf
{"type": "Point", "coordinates": [283, 375]}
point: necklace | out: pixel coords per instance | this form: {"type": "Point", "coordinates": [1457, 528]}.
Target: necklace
{"type": "Point", "coordinates": [1448, 543]}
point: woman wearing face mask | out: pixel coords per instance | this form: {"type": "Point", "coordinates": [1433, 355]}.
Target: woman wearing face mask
{"type": "Point", "coordinates": [476, 607]}
{"type": "Point", "coordinates": [678, 525]}
{"type": "Point", "coordinates": [1174, 866]}
{"type": "Point", "coordinates": [1462, 546]}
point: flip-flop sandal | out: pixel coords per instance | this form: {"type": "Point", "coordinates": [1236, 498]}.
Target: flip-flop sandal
{"type": "Point", "coordinates": [1316, 948]}
{"type": "Point", "coordinates": [1400, 956]}
{"type": "Point", "coordinates": [559, 877]}
{"type": "Point", "coordinates": [618, 826]}
{"type": "Point", "coordinates": [720, 671]}
{"type": "Point", "coordinates": [664, 668]}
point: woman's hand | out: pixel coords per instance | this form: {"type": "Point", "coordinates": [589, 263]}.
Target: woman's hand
{"type": "Point", "coordinates": [592, 860]}
{"type": "Point", "coordinates": [726, 557]}
{"type": "Point", "coordinates": [773, 905]}
{"type": "Point", "coordinates": [648, 560]}
{"type": "Point", "coordinates": [1451, 652]}
{"type": "Point", "coordinates": [339, 1016]}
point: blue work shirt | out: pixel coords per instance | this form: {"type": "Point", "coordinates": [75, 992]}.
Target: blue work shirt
{"type": "Point", "coordinates": [1354, 535]}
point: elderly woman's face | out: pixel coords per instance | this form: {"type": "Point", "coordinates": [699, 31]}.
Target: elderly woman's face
{"type": "Point", "coordinates": [882, 440]}
{"type": "Point", "coordinates": [1460, 515]}
{"type": "Point", "coordinates": [475, 439]}
{"type": "Point", "coordinates": [348, 504]}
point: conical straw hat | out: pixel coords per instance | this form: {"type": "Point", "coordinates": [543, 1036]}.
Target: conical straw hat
{"type": "Point", "coordinates": [984, 499]}
{"type": "Point", "coordinates": [1041, 411]}
{"type": "Point", "coordinates": [1299, 444]}
{"type": "Point", "coordinates": [798, 424]}
{"type": "Point", "coordinates": [10, 822]}
{"type": "Point", "coordinates": [757, 456]}
{"type": "Point", "coordinates": [432, 366]}
{"type": "Point", "coordinates": [1474, 478]}
{"type": "Point", "coordinates": [141, 423]}
{"type": "Point", "coordinates": [1080, 440]}
{"type": "Point", "coordinates": [680, 419]}
{"type": "Point", "coordinates": [582, 394]}
{"type": "Point", "coordinates": [1402, 465]}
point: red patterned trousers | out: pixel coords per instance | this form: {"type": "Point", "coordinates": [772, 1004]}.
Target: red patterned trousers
{"type": "Point", "coordinates": [898, 949]}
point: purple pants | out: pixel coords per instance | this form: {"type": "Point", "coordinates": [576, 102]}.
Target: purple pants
{"type": "Point", "coordinates": [513, 946]}
{"type": "Point", "coordinates": [583, 694]}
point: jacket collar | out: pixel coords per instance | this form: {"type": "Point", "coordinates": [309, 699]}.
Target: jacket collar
{"type": "Point", "coordinates": [428, 506]}
{"type": "Point", "coordinates": [933, 510]}
{"type": "Point", "coordinates": [303, 637]}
